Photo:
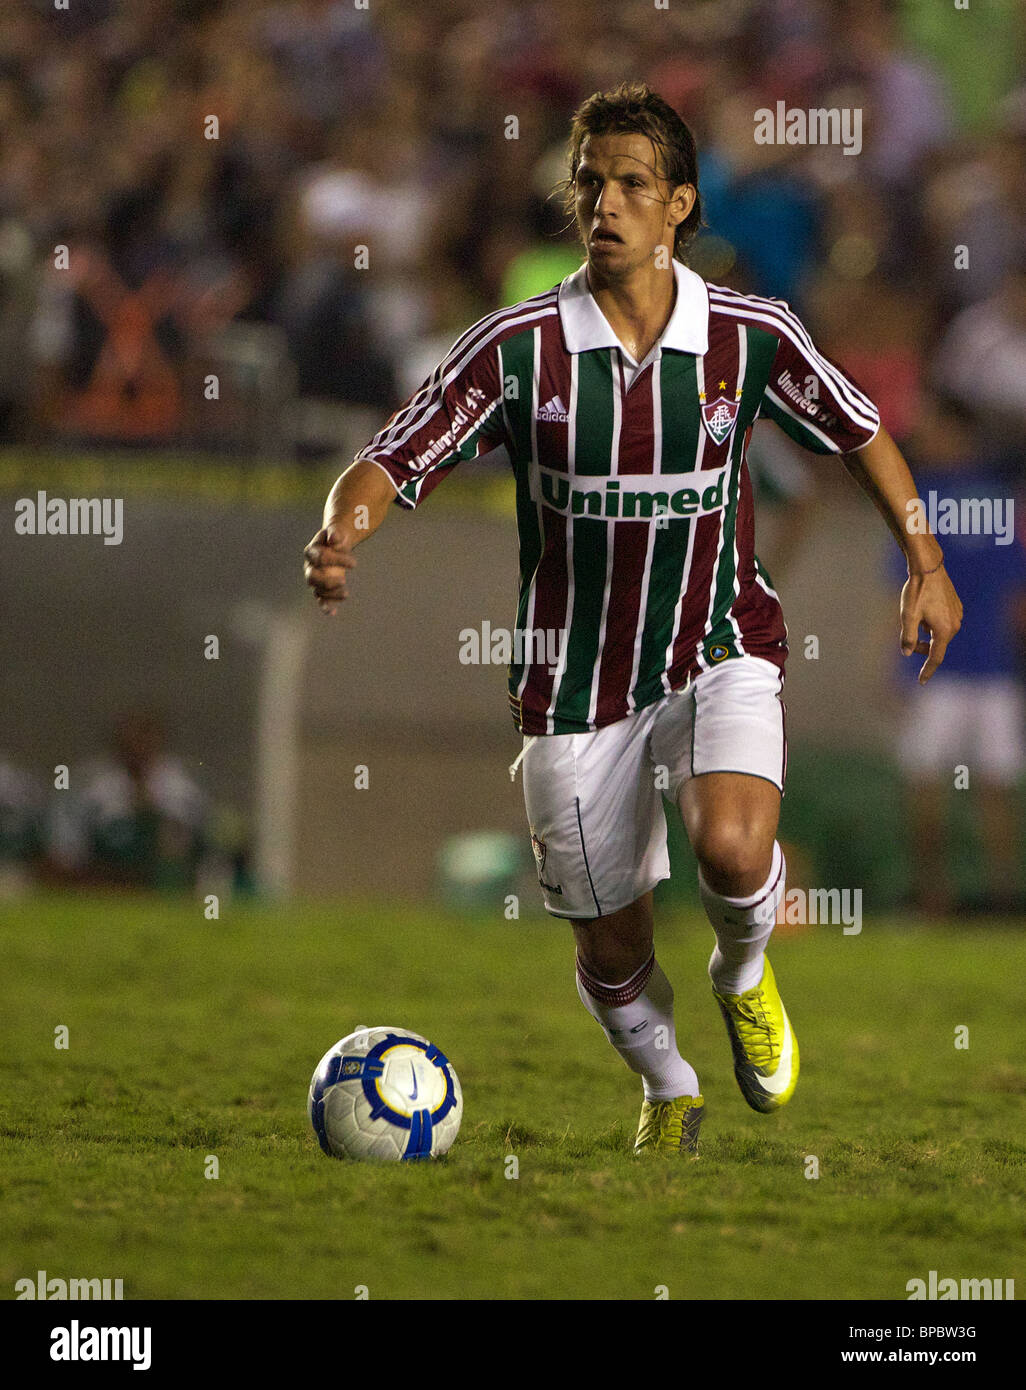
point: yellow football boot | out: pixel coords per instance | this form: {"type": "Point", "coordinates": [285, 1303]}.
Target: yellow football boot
{"type": "Point", "coordinates": [670, 1126]}
{"type": "Point", "coordinates": [763, 1042]}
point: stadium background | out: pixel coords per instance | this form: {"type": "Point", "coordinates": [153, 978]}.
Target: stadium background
{"type": "Point", "coordinates": [140, 1039]}
{"type": "Point", "coordinates": [235, 257]}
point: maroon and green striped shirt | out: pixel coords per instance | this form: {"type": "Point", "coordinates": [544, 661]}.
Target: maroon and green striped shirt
{"type": "Point", "coordinates": [634, 505]}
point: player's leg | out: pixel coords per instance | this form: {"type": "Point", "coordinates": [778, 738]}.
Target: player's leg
{"type": "Point", "coordinates": [998, 727]}
{"type": "Point", "coordinates": [731, 820]}
{"type": "Point", "coordinates": [723, 745]}
{"type": "Point", "coordinates": [932, 891]}
{"type": "Point", "coordinates": [999, 834]}
{"type": "Point", "coordinates": [625, 990]}
{"type": "Point", "coordinates": [936, 735]}
{"type": "Point", "coordinates": [615, 947]}
{"type": "Point", "coordinates": [599, 837]}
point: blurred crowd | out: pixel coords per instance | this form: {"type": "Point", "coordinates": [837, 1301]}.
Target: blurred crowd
{"type": "Point", "coordinates": [214, 166]}
{"type": "Point", "coordinates": [131, 817]}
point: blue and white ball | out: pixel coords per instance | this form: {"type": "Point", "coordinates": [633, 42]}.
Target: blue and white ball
{"type": "Point", "coordinates": [385, 1093]}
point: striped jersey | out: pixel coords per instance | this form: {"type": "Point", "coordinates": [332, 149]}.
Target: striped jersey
{"type": "Point", "coordinates": [634, 505]}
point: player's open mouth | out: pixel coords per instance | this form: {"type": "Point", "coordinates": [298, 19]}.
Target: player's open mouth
{"type": "Point", "coordinates": [606, 239]}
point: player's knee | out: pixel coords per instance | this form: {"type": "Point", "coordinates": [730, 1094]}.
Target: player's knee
{"type": "Point", "coordinates": [734, 856]}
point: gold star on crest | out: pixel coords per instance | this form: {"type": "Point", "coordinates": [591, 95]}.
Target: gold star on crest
{"type": "Point", "coordinates": [723, 385]}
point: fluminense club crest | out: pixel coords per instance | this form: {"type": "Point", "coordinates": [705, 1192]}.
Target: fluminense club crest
{"type": "Point", "coordinates": [719, 417]}
{"type": "Point", "coordinates": [540, 849]}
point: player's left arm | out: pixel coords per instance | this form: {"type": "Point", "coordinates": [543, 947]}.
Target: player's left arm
{"type": "Point", "coordinates": [928, 597]}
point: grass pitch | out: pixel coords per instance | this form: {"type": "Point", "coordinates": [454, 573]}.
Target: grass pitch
{"type": "Point", "coordinates": [189, 1038]}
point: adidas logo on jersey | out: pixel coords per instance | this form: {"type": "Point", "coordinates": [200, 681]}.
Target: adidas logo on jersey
{"type": "Point", "coordinates": [554, 411]}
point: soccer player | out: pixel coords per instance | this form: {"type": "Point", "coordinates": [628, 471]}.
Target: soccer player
{"type": "Point", "coordinates": [624, 399]}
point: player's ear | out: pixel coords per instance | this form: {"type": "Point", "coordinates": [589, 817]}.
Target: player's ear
{"type": "Point", "coordinates": [682, 200]}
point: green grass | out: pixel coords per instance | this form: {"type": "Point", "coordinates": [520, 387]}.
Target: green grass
{"type": "Point", "coordinates": [190, 1038]}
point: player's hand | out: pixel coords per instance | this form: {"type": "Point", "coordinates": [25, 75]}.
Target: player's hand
{"type": "Point", "coordinates": [930, 601]}
{"type": "Point", "coordinates": [325, 562]}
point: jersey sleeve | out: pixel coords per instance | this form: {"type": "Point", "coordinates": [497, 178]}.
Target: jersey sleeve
{"type": "Point", "coordinates": [456, 414]}
{"type": "Point", "coordinates": [811, 398]}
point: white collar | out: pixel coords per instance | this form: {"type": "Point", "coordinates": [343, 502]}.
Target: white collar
{"type": "Point", "coordinates": [585, 326]}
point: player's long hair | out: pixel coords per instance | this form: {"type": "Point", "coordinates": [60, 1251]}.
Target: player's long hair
{"type": "Point", "coordinates": [633, 108]}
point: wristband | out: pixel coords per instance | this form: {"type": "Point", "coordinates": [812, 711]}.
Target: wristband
{"type": "Point", "coordinates": [919, 573]}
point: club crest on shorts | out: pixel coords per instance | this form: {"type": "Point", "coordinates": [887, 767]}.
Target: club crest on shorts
{"type": "Point", "coordinates": [719, 417]}
{"type": "Point", "coordinates": [540, 850]}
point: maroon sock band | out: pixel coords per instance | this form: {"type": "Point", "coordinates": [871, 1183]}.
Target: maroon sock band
{"type": "Point", "coordinates": [615, 996]}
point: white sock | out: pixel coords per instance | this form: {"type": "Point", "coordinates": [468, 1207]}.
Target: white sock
{"type": "Point", "coordinates": [637, 1018]}
{"type": "Point", "coordinates": [743, 926]}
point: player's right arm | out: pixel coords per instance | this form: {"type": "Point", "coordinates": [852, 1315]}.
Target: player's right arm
{"type": "Point", "coordinates": [456, 415]}
{"type": "Point", "coordinates": [356, 507]}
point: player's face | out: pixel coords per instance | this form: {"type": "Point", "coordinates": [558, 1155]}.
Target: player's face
{"type": "Point", "coordinates": [625, 210]}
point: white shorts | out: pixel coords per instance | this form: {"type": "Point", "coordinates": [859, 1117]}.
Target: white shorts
{"type": "Point", "coordinates": [595, 800]}
{"type": "Point", "coordinates": [972, 720]}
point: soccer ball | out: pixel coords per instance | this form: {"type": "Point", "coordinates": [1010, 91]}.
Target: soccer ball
{"type": "Point", "coordinates": [385, 1093]}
